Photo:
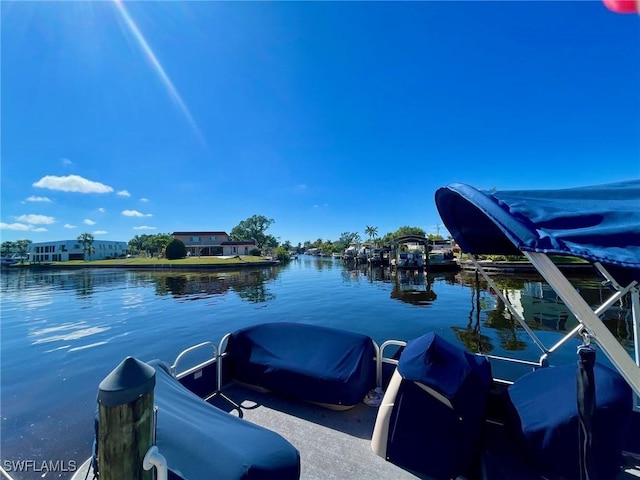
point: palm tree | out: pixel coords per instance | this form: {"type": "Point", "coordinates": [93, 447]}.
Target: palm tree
{"type": "Point", "coordinates": [86, 240]}
{"type": "Point", "coordinates": [371, 232]}
{"type": "Point", "coordinates": [137, 243]}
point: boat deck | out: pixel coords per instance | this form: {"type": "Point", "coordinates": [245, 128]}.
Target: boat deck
{"type": "Point", "coordinates": [333, 445]}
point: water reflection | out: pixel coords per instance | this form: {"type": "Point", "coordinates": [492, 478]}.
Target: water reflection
{"type": "Point", "coordinates": [471, 335]}
{"type": "Point", "coordinates": [320, 263]}
{"type": "Point", "coordinates": [66, 332]}
{"type": "Point", "coordinates": [83, 282]}
{"type": "Point", "coordinates": [354, 272]}
{"type": "Point", "coordinates": [540, 307]}
{"type": "Point", "coordinates": [491, 325]}
{"type": "Point", "coordinates": [413, 286]}
{"type": "Point", "coordinates": [249, 285]}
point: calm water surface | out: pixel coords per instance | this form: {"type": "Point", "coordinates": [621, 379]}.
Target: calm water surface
{"type": "Point", "coordinates": [64, 331]}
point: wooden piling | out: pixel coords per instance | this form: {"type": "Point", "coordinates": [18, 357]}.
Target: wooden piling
{"type": "Point", "coordinates": [125, 421]}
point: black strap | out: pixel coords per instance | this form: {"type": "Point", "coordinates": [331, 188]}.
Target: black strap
{"type": "Point", "coordinates": [586, 408]}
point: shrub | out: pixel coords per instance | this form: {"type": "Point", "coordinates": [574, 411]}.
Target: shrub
{"type": "Point", "coordinates": [175, 249]}
{"type": "Point", "coordinates": [282, 255]}
{"type": "Point", "coordinates": [255, 252]}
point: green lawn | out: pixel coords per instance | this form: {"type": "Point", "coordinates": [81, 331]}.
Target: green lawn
{"type": "Point", "coordinates": [163, 261]}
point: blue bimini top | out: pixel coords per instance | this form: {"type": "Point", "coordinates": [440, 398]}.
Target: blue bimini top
{"type": "Point", "coordinates": [598, 223]}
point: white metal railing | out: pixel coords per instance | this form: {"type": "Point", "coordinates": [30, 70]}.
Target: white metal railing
{"type": "Point", "coordinates": [382, 359]}
{"type": "Point", "coordinates": [218, 391]}
{"type": "Point", "coordinates": [153, 458]}
{"type": "Point", "coordinates": [200, 366]}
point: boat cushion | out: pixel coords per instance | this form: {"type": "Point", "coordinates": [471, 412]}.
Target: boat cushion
{"type": "Point", "coordinates": [200, 441]}
{"type": "Point", "coordinates": [545, 422]}
{"type": "Point", "coordinates": [309, 362]}
{"type": "Point", "coordinates": [439, 413]}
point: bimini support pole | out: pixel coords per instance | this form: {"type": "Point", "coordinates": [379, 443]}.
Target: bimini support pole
{"type": "Point", "coordinates": [586, 316]}
{"type": "Point", "coordinates": [635, 313]}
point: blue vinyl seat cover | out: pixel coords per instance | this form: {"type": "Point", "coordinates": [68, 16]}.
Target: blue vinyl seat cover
{"type": "Point", "coordinates": [427, 436]}
{"type": "Point", "coordinates": [309, 362]}
{"type": "Point", "coordinates": [544, 419]}
{"type": "Point", "coordinates": [200, 441]}
{"type": "Point", "coordinates": [448, 369]}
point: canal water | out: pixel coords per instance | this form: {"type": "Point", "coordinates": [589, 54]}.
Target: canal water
{"type": "Point", "coordinates": [63, 331]}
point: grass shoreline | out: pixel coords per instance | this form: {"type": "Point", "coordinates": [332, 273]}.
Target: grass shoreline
{"type": "Point", "coordinates": [158, 263]}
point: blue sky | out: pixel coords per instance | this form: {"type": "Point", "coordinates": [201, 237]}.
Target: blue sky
{"type": "Point", "coordinates": [154, 117]}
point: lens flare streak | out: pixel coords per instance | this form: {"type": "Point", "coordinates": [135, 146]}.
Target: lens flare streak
{"type": "Point", "coordinates": [151, 57]}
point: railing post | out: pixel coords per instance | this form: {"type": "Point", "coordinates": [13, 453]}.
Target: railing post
{"type": "Point", "coordinates": [125, 421]}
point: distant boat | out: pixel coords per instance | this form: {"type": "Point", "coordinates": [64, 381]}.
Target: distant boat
{"type": "Point", "coordinates": [8, 261]}
{"type": "Point", "coordinates": [379, 257]}
{"type": "Point", "coordinates": [409, 252]}
{"type": "Point", "coordinates": [441, 256]}
{"type": "Point", "coordinates": [350, 252]}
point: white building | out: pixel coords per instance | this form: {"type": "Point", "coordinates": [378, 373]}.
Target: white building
{"type": "Point", "coordinates": [65, 250]}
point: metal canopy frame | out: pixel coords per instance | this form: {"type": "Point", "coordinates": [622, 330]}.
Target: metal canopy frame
{"type": "Point", "coordinates": [589, 319]}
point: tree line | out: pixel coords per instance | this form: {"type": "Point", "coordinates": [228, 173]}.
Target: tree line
{"type": "Point", "coordinates": [253, 228]}
{"type": "Point", "coordinates": [18, 248]}
{"type": "Point", "coordinates": [371, 232]}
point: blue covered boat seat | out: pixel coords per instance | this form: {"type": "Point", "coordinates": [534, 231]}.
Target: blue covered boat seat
{"type": "Point", "coordinates": [334, 368]}
{"type": "Point", "coordinates": [200, 441]}
{"type": "Point", "coordinates": [432, 415]}
{"type": "Point", "coordinates": [544, 419]}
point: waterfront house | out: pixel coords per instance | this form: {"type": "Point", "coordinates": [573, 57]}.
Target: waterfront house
{"type": "Point", "coordinates": [65, 250]}
{"type": "Point", "coordinates": [201, 244]}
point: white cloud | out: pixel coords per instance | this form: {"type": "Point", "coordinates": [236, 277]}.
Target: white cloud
{"type": "Point", "coordinates": [36, 219]}
{"type": "Point", "coordinates": [72, 183]}
{"type": "Point", "coordinates": [145, 200]}
{"type": "Point", "coordinates": [124, 193]}
{"type": "Point", "coordinates": [33, 198]}
{"type": "Point", "coordinates": [102, 210]}
{"type": "Point", "coordinates": [68, 225]}
{"type": "Point", "coordinates": [100, 232]}
{"type": "Point", "coordinates": [15, 226]}
{"type": "Point", "coordinates": [144, 227]}
{"type": "Point", "coordinates": [300, 188]}
{"type": "Point", "coordinates": [21, 226]}
{"type": "Point", "coordinates": [66, 162]}
{"type": "Point", "coordinates": [87, 221]}
{"type": "Point", "coordinates": [135, 213]}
